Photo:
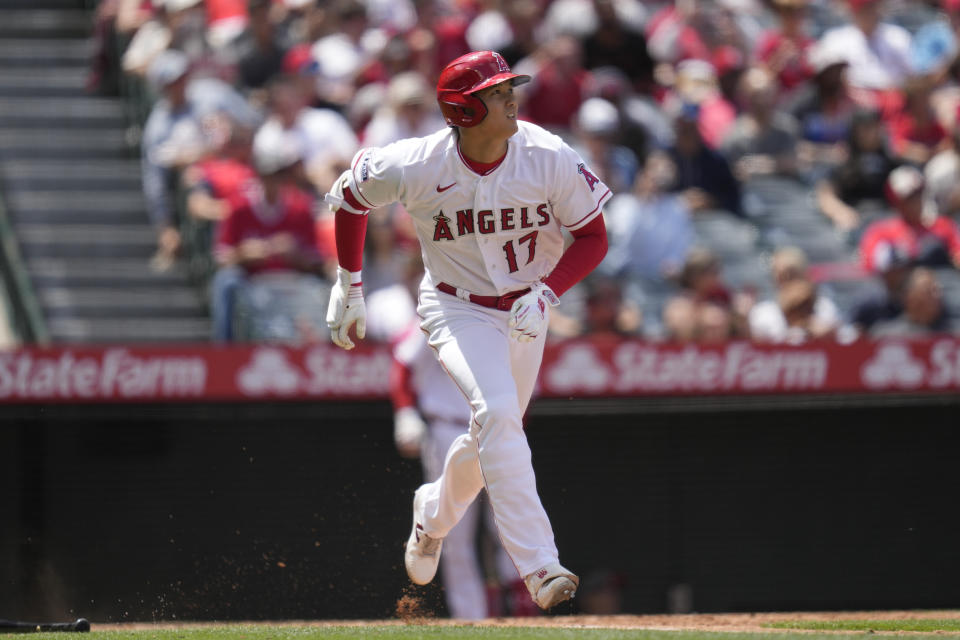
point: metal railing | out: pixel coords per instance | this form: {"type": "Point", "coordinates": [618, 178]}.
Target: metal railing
{"type": "Point", "coordinates": [21, 300]}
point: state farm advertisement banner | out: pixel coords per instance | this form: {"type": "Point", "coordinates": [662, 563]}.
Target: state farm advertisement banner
{"type": "Point", "coordinates": [192, 373]}
{"type": "Point", "coordinates": [631, 368]}
{"type": "Point", "coordinates": [582, 368]}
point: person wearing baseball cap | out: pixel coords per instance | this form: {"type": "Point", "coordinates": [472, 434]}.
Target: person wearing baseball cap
{"type": "Point", "coordinates": [916, 230]}
{"type": "Point", "coordinates": [172, 139]}
{"type": "Point", "coordinates": [876, 304]}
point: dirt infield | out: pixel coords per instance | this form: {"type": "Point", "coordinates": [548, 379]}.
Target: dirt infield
{"type": "Point", "coordinates": [735, 622]}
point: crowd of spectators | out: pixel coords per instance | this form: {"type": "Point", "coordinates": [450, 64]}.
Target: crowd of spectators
{"type": "Point", "coordinates": [712, 121]}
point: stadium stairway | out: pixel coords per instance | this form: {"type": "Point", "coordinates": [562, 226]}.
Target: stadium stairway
{"type": "Point", "coordinates": [73, 193]}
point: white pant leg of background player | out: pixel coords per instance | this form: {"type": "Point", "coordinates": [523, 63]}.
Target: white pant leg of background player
{"type": "Point", "coordinates": [498, 375]}
{"type": "Point", "coordinates": [460, 570]}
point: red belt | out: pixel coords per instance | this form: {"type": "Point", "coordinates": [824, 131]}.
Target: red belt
{"type": "Point", "coordinates": [503, 303]}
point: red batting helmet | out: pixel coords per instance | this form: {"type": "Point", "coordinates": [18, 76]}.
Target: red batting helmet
{"type": "Point", "coordinates": [466, 75]}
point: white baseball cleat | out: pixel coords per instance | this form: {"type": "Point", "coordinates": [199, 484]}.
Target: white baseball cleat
{"type": "Point", "coordinates": [423, 552]}
{"type": "Point", "coordinates": [551, 585]}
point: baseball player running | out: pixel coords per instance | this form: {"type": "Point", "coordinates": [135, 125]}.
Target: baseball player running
{"type": "Point", "coordinates": [489, 197]}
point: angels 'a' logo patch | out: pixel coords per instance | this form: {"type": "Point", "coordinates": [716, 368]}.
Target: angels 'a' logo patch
{"type": "Point", "coordinates": [591, 179]}
{"type": "Point", "coordinates": [501, 63]}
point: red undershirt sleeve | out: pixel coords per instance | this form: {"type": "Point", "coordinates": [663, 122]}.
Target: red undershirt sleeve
{"type": "Point", "coordinates": [350, 229]}
{"type": "Point", "coordinates": [581, 257]}
{"type": "Point", "coordinates": [401, 386]}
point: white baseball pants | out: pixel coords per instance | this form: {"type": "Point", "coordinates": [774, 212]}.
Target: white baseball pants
{"type": "Point", "coordinates": [463, 577]}
{"type": "Point", "coordinates": [497, 375]}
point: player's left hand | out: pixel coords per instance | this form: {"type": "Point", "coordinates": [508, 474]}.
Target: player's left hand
{"type": "Point", "coordinates": [409, 430]}
{"type": "Point", "coordinates": [346, 308]}
{"type": "Point", "coordinates": [528, 315]}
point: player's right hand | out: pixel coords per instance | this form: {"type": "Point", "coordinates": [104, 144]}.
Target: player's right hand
{"type": "Point", "coordinates": [346, 308]}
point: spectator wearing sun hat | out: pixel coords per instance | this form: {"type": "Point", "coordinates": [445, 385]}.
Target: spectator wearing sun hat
{"type": "Point", "coordinates": [409, 112]}
{"type": "Point", "coordinates": [878, 52]}
{"type": "Point", "coordinates": [825, 107]}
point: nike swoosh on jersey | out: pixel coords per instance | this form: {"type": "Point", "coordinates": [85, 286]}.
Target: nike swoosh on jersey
{"type": "Point", "coordinates": [442, 189]}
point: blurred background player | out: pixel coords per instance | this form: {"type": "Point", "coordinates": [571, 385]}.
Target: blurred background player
{"type": "Point", "coordinates": [429, 414]}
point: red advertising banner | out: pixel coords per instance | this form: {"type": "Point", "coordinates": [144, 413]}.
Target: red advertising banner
{"type": "Point", "coordinates": [580, 368]}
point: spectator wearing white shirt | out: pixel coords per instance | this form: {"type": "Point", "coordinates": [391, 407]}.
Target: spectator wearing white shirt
{"type": "Point", "coordinates": [324, 134]}
{"type": "Point", "coordinates": [878, 52]}
{"type": "Point", "coordinates": [799, 312]}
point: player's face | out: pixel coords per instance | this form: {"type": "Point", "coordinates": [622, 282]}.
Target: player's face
{"type": "Point", "coordinates": [501, 118]}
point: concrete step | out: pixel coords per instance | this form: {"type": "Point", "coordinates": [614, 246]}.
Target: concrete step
{"type": "Point", "coordinates": [85, 240]}
{"type": "Point", "coordinates": [27, 201]}
{"type": "Point", "coordinates": [77, 207]}
{"type": "Point", "coordinates": [93, 174]}
{"type": "Point", "coordinates": [68, 216]}
{"type": "Point", "coordinates": [128, 330]}
{"type": "Point", "coordinates": [55, 81]}
{"type": "Point", "coordinates": [63, 143]}
{"type": "Point", "coordinates": [112, 272]}
{"type": "Point", "coordinates": [85, 112]}
{"type": "Point", "coordinates": [122, 302]}
{"type": "Point", "coordinates": [42, 53]}
{"type": "Point", "coordinates": [43, 4]}
{"type": "Point", "coordinates": [45, 23]}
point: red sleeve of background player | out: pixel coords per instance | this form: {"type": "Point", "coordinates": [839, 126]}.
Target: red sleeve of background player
{"type": "Point", "coordinates": [581, 257]}
{"type": "Point", "coordinates": [350, 229]}
{"type": "Point", "coordinates": [402, 394]}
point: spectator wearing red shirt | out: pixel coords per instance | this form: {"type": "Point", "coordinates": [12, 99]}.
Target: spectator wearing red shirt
{"type": "Point", "coordinates": [929, 242]}
{"type": "Point", "coordinates": [268, 228]}
{"type": "Point", "coordinates": [783, 51]}
{"type": "Point", "coordinates": [915, 133]}
{"type": "Point", "coordinates": [697, 84]}
{"type": "Point", "coordinates": [558, 86]}
{"type": "Point", "coordinates": [670, 36]}
{"type": "Point", "coordinates": [219, 178]}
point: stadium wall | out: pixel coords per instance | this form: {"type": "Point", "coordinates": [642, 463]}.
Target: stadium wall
{"type": "Point", "coordinates": [299, 510]}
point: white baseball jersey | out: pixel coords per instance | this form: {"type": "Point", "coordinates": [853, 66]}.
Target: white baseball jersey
{"type": "Point", "coordinates": [488, 234]}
